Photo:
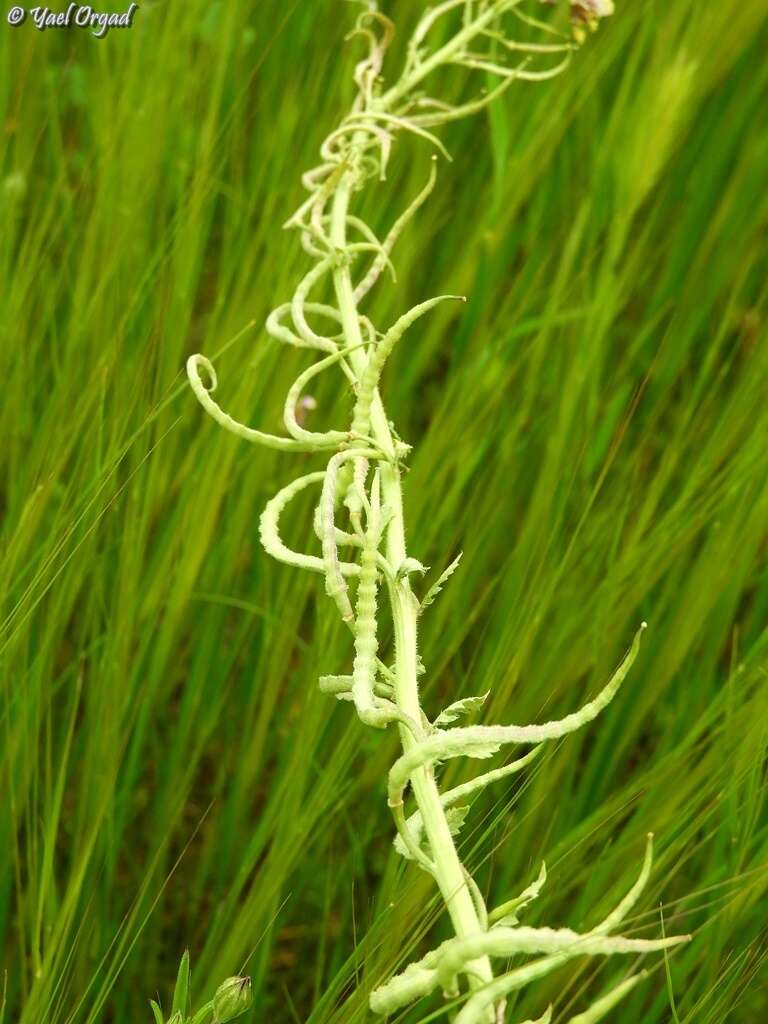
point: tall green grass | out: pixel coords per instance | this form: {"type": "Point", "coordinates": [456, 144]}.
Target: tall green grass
{"type": "Point", "coordinates": [592, 429]}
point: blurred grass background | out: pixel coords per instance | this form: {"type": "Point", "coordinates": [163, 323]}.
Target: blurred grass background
{"type": "Point", "coordinates": [591, 430]}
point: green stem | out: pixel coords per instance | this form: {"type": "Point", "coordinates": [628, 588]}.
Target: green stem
{"type": "Point", "coordinates": [446, 53]}
{"type": "Point", "coordinates": [448, 870]}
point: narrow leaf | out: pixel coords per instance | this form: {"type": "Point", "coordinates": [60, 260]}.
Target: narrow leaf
{"type": "Point", "coordinates": [440, 582]}
{"type": "Point", "coordinates": [455, 816]}
{"type": "Point", "coordinates": [182, 994]}
{"type": "Point", "coordinates": [505, 916]}
{"type": "Point", "coordinates": [458, 708]}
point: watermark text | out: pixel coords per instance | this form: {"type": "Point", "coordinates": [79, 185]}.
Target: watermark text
{"type": "Point", "coordinates": [74, 16]}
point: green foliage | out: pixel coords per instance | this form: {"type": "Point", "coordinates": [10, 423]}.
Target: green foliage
{"type": "Point", "coordinates": [589, 428]}
{"type": "Point", "coordinates": [182, 995]}
{"type": "Point", "coordinates": [231, 999]}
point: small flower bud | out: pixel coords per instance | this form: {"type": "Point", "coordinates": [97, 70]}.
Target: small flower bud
{"type": "Point", "coordinates": [232, 998]}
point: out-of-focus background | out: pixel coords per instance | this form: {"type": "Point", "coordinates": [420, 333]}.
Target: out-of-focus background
{"type": "Point", "coordinates": [591, 429]}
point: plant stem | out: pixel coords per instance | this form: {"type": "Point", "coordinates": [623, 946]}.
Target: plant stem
{"type": "Point", "coordinates": [444, 55]}
{"type": "Point", "coordinates": [448, 870]}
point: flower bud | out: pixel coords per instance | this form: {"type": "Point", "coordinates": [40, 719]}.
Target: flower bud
{"type": "Point", "coordinates": [232, 998]}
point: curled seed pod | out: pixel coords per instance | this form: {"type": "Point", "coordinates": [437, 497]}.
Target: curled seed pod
{"type": "Point", "coordinates": [203, 395]}
{"type": "Point", "coordinates": [269, 530]}
{"type": "Point", "coordinates": [484, 740]}
{"type": "Point", "coordinates": [440, 967]}
{"type": "Point", "coordinates": [328, 438]}
{"type": "Point", "coordinates": [382, 260]}
{"type": "Point", "coordinates": [335, 584]}
{"type": "Point", "coordinates": [299, 307]}
{"type": "Point", "coordinates": [276, 329]}
{"type": "Point", "coordinates": [366, 642]}
{"type": "Point", "coordinates": [361, 423]}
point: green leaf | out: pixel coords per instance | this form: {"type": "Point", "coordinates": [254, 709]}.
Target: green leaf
{"type": "Point", "coordinates": [409, 566]}
{"type": "Point", "coordinates": [182, 995]}
{"type": "Point", "coordinates": [458, 708]}
{"type": "Point", "coordinates": [455, 816]}
{"type": "Point", "coordinates": [505, 916]}
{"type": "Point", "coordinates": [440, 582]}
{"type": "Point", "coordinates": [203, 1013]}
{"type": "Point", "coordinates": [157, 1012]}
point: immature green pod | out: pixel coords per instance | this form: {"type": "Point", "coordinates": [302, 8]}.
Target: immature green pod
{"type": "Point", "coordinates": [366, 642]}
{"type": "Point", "coordinates": [395, 231]}
{"type": "Point", "coordinates": [481, 741]}
{"type": "Point", "coordinates": [361, 423]}
{"type": "Point", "coordinates": [335, 584]}
{"type": "Point", "coordinates": [299, 304]}
{"type": "Point", "coordinates": [203, 394]}
{"type": "Point", "coordinates": [233, 997]}
{"type": "Point", "coordinates": [269, 530]}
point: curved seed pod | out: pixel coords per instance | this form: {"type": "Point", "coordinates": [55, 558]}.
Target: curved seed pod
{"type": "Point", "coordinates": [341, 687]}
{"type": "Point", "coordinates": [467, 789]}
{"type": "Point", "coordinates": [361, 422]}
{"type": "Point", "coordinates": [377, 246]}
{"type": "Point", "coordinates": [335, 584]}
{"type": "Point", "coordinates": [370, 279]}
{"type": "Point", "coordinates": [324, 439]}
{"type": "Point", "coordinates": [617, 915]}
{"type": "Point", "coordinates": [299, 305]}
{"type": "Point", "coordinates": [355, 247]}
{"type": "Point", "coordinates": [484, 740]}
{"type": "Point", "coordinates": [354, 495]}
{"type": "Point", "coordinates": [330, 174]}
{"type": "Point", "coordinates": [477, 898]}
{"type": "Point", "coordinates": [384, 139]}
{"type": "Point", "coordinates": [417, 70]}
{"type": "Point", "coordinates": [368, 70]}
{"type": "Point", "coordinates": [342, 537]}
{"type": "Point", "coordinates": [397, 121]}
{"type": "Point", "coordinates": [309, 179]}
{"type": "Point", "coordinates": [519, 73]}
{"type": "Point", "coordinates": [463, 110]}
{"type": "Point", "coordinates": [415, 852]}
{"type": "Point", "coordinates": [203, 395]}
{"type": "Point", "coordinates": [366, 642]}
{"type": "Point", "coordinates": [475, 1009]}
{"type": "Point", "coordinates": [269, 530]}
{"type": "Point", "coordinates": [439, 968]}
{"type": "Point", "coordinates": [336, 146]}
{"type": "Point", "coordinates": [312, 246]}
{"type": "Point", "coordinates": [501, 943]}
{"type": "Point", "coordinates": [607, 1002]}
{"type": "Point", "coordinates": [276, 329]}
